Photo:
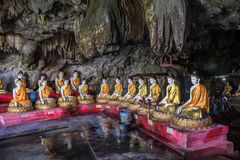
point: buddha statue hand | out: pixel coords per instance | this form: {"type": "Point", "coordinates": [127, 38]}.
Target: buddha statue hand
{"type": "Point", "coordinates": [179, 109]}
{"type": "Point", "coordinates": [15, 104]}
{"type": "Point", "coordinates": [42, 101]}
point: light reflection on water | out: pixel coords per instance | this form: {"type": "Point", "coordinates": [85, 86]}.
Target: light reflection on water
{"type": "Point", "coordinates": [100, 133]}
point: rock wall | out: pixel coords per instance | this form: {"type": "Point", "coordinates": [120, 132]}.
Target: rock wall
{"type": "Point", "coordinates": [107, 38]}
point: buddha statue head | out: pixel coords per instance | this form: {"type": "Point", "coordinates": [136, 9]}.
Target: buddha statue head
{"type": "Point", "coordinates": [130, 81]}
{"type": "Point", "coordinates": [61, 74]}
{"type": "Point", "coordinates": [104, 81]}
{"type": "Point", "coordinates": [152, 81]}
{"type": "Point", "coordinates": [84, 81]}
{"type": "Point", "coordinates": [19, 83]}
{"type": "Point", "coordinates": [20, 75]}
{"type": "Point", "coordinates": [140, 81]}
{"type": "Point", "coordinates": [195, 79]}
{"type": "Point", "coordinates": [42, 77]}
{"type": "Point", "coordinates": [75, 74]}
{"type": "Point", "coordinates": [170, 78]}
{"type": "Point", "coordinates": [117, 80]}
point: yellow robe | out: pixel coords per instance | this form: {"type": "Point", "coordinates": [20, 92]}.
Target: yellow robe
{"type": "Point", "coordinates": [174, 94]}
{"type": "Point", "coordinates": [67, 91]}
{"type": "Point", "coordinates": [46, 92]}
{"type": "Point", "coordinates": [76, 82]}
{"type": "Point", "coordinates": [84, 89]}
{"type": "Point", "coordinates": [155, 92]}
{"type": "Point", "coordinates": [199, 99]}
{"type": "Point", "coordinates": [22, 98]}
{"type": "Point", "coordinates": [143, 90]}
{"type": "Point", "coordinates": [228, 90]}
{"type": "Point", "coordinates": [132, 89]}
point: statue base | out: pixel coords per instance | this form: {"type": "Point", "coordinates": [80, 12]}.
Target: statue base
{"type": "Point", "coordinates": [11, 119]}
{"type": "Point", "coordinates": [6, 97]}
{"type": "Point", "coordinates": [191, 144]}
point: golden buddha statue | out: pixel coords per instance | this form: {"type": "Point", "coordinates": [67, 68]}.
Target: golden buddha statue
{"type": "Point", "coordinates": [84, 97]}
{"type": "Point", "coordinates": [131, 91]}
{"type": "Point", "coordinates": [45, 101]}
{"type": "Point", "coordinates": [59, 81]}
{"type": "Point", "coordinates": [227, 90]}
{"type": "Point", "coordinates": [237, 93]}
{"type": "Point", "coordinates": [75, 81]}
{"type": "Point", "coordinates": [155, 91]}
{"type": "Point", "coordinates": [117, 94]}
{"type": "Point", "coordinates": [192, 114]}
{"type": "Point", "coordinates": [173, 96]}
{"type": "Point", "coordinates": [2, 87]}
{"type": "Point", "coordinates": [105, 90]}
{"type": "Point", "coordinates": [20, 101]}
{"type": "Point", "coordinates": [67, 100]}
{"type": "Point", "coordinates": [104, 94]}
{"type": "Point", "coordinates": [142, 90]}
{"type": "Point", "coordinates": [198, 102]}
{"type": "Point", "coordinates": [167, 106]}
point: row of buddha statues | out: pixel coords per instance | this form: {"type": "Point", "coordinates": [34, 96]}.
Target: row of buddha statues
{"type": "Point", "coordinates": [228, 90]}
{"type": "Point", "coordinates": [169, 105]}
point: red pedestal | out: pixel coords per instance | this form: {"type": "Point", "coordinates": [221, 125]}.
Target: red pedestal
{"type": "Point", "coordinates": [3, 108]}
{"type": "Point", "coordinates": [191, 144]}
{"type": "Point", "coordinates": [10, 119]}
{"type": "Point", "coordinates": [83, 110]}
{"type": "Point", "coordinates": [98, 108]}
{"type": "Point", "coordinates": [6, 97]}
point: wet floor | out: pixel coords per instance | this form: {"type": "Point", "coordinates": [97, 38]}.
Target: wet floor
{"type": "Point", "coordinates": [86, 138]}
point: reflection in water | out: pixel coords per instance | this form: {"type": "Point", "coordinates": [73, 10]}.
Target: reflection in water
{"type": "Point", "coordinates": [103, 135]}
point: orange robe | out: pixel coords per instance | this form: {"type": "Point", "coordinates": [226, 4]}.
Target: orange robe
{"type": "Point", "coordinates": [24, 83]}
{"type": "Point", "coordinates": [61, 82]}
{"type": "Point", "coordinates": [105, 90]}
{"type": "Point", "coordinates": [199, 99]}
{"type": "Point", "coordinates": [46, 92]}
{"type": "Point", "coordinates": [67, 91]}
{"type": "Point", "coordinates": [76, 82]}
{"type": "Point", "coordinates": [118, 89]}
{"type": "Point", "coordinates": [22, 98]}
{"type": "Point", "coordinates": [1, 84]}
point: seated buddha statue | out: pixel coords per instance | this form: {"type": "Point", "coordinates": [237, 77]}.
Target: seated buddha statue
{"type": "Point", "coordinates": [198, 102]}
{"type": "Point", "coordinates": [155, 91]}
{"type": "Point", "coordinates": [2, 87]}
{"type": "Point", "coordinates": [75, 81]}
{"type": "Point", "coordinates": [84, 97]}
{"type": "Point", "coordinates": [20, 101]}
{"type": "Point", "coordinates": [142, 90]}
{"type": "Point", "coordinates": [131, 90]}
{"type": "Point", "coordinates": [66, 100]}
{"type": "Point", "coordinates": [59, 81]}
{"type": "Point", "coordinates": [117, 94]}
{"type": "Point", "coordinates": [173, 95]}
{"type": "Point", "coordinates": [237, 93]}
{"type": "Point", "coordinates": [105, 89]}
{"type": "Point", "coordinates": [45, 102]}
{"type": "Point", "coordinates": [227, 90]}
